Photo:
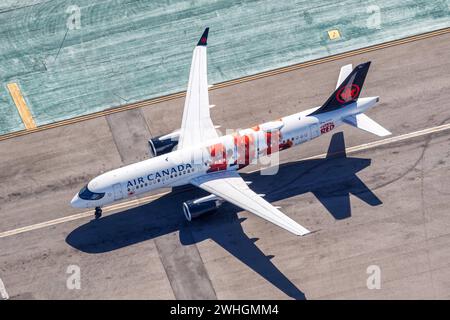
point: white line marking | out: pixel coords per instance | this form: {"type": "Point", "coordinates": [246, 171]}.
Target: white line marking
{"type": "Point", "coordinates": [82, 215]}
{"type": "Point", "coordinates": [143, 200]}
{"type": "Point", "coordinates": [383, 142]}
{"type": "Point", "coordinates": [3, 292]}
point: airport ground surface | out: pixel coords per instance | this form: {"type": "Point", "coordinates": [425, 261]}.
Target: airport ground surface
{"type": "Point", "coordinates": [72, 58]}
{"type": "Point", "coordinates": [386, 205]}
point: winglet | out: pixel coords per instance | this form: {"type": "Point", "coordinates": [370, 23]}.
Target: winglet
{"type": "Point", "coordinates": [204, 38]}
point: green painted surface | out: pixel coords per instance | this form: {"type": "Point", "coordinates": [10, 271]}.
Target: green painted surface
{"type": "Point", "coordinates": [126, 51]}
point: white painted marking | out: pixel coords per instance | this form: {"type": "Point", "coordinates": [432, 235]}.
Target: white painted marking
{"type": "Point", "coordinates": [136, 202]}
{"type": "Point", "coordinates": [82, 215]}
{"type": "Point", "coordinates": [3, 292]}
{"type": "Point", "coordinates": [383, 142]}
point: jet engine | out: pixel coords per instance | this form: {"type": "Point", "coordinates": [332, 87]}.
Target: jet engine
{"type": "Point", "coordinates": [164, 144]}
{"type": "Point", "coordinates": [195, 208]}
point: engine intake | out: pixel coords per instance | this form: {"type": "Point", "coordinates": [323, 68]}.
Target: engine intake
{"type": "Point", "coordinates": [195, 208]}
{"type": "Point", "coordinates": [163, 144]}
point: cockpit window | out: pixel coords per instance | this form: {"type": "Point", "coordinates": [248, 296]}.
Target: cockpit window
{"type": "Point", "coordinates": [86, 194]}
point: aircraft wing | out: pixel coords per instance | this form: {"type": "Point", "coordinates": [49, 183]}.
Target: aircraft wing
{"type": "Point", "coordinates": [229, 186]}
{"type": "Point", "coordinates": [197, 126]}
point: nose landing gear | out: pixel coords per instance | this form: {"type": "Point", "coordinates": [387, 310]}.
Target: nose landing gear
{"type": "Point", "coordinates": [98, 213]}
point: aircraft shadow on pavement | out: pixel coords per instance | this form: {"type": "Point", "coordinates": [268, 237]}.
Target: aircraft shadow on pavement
{"type": "Point", "coordinates": [330, 179]}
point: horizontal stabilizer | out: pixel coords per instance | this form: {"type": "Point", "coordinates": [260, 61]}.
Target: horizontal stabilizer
{"type": "Point", "coordinates": [363, 122]}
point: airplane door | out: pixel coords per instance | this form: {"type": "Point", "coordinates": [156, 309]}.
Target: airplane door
{"type": "Point", "coordinates": [314, 130]}
{"type": "Point", "coordinates": [117, 191]}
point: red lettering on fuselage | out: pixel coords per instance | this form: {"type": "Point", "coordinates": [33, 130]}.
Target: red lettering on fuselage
{"type": "Point", "coordinates": [326, 127]}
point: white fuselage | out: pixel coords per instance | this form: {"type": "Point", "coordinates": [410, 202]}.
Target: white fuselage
{"type": "Point", "coordinates": [230, 152]}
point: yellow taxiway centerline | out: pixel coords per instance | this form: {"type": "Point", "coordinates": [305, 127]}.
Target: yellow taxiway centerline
{"type": "Point", "coordinates": [224, 84]}
{"type": "Point", "coordinates": [140, 201]}
{"type": "Point", "coordinates": [21, 105]}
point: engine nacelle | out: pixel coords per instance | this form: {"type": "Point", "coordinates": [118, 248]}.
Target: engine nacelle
{"type": "Point", "coordinates": [195, 208]}
{"type": "Point", "coordinates": [164, 144]}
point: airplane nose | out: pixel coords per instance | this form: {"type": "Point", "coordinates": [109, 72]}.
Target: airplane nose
{"type": "Point", "coordinates": [75, 202]}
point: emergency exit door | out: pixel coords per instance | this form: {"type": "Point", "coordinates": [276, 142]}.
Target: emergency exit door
{"type": "Point", "coordinates": [117, 191]}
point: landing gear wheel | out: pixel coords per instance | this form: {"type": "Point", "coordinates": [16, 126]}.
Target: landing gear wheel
{"type": "Point", "coordinates": [98, 213]}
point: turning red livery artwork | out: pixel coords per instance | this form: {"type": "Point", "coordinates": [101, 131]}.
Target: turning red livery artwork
{"type": "Point", "coordinates": [245, 148]}
{"type": "Point", "coordinates": [208, 160]}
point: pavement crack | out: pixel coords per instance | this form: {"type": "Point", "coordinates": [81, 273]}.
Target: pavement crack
{"type": "Point", "coordinates": [425, 220]}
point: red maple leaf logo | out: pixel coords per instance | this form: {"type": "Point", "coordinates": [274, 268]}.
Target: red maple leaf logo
{"type": "Point", "coordinates": [347, 93]}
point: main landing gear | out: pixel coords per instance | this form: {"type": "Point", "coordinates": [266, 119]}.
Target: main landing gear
{"type": "Point", "coordinates": [98, 213]}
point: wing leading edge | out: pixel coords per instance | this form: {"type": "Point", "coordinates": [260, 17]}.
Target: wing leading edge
{"type": "Point", "coordinates": [229, 186]}
{"type": "Point", "coordinates": [196, 126]}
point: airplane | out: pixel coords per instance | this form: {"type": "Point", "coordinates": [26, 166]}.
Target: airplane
{"type": "Point", "coordinates": [197, 155]}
